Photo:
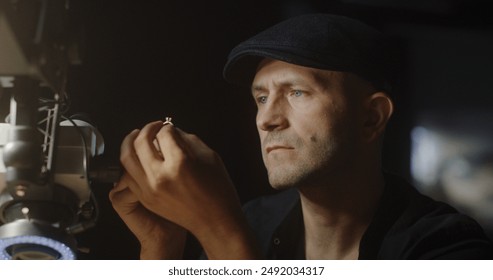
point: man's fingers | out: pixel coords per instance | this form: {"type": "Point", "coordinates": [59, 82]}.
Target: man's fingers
{"type": "Point", "coordinates": [171, 144]}
{"type": "Point", "coordinates": [122, 183]}
{"type": "Point", "coordinates": [144, 142]}
{"type": "Point", "coordinates": [123, 201]}
{"type": "Point", "coordinates": [125, 196]}
{"type": "Point", "coordinates": [132, 164]}
{"type": "Point", "coordinates": [127, 182]}
{"type": "Point", "coordinates": [150, 157]}
{"type": "Point", "coordinates": [128, 156]}
{"type": "Point", "coordinates": [127, 150]}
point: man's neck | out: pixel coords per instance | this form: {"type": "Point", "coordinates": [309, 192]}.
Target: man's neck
{"type": "Point", "coordinates": [337, 214]}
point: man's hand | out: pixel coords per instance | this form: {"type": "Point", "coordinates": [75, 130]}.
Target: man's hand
{"type": "Point", "coordinates": [186, 182]}
{"type": "Point", "coordinates": [159, 238]}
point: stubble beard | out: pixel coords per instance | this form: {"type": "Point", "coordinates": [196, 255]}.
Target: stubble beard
{"type": "Point", "coordinates": [313, 162]}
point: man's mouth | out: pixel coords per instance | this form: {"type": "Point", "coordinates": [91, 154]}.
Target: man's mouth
{"type": "Point", "coordinates": [277, 147]}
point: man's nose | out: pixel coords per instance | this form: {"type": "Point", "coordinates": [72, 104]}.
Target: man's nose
{"type": "Point", "coordinates": [271, 116]}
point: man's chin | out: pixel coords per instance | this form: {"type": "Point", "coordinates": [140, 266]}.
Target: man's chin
{"type": "Point", "coordinates": [282, 183]}
{"type": "Point", "coordinates": [278, 187]}
{"type": "Point", "coordinates": [289, 176]}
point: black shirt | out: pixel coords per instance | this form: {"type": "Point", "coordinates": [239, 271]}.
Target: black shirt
{"type": "Point", "coordinates": [406, 225]}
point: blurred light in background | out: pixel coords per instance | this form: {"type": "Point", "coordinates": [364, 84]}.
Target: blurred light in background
{"type": "Point", "coordinates": [452, 161]}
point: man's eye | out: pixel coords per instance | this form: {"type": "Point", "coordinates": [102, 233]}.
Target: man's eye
{"type": "Point", "coordinates": [262, 99]}
{"type": "Point", "coordinates": [297, 93]}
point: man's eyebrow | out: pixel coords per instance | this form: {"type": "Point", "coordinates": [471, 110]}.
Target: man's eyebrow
{"type": "Point", "coordinates": [257, 88]}
{"type": "Point", "coordinates": [282, 84]}
{"type": "Point", "coordinates": [287, 83]}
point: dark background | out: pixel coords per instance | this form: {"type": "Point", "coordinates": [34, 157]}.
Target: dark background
{"type": "Point", "coordinates": [145, 60]}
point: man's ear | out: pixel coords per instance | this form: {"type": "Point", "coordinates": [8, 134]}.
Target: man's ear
{"type": "Point", "coordinates": [379, 108]}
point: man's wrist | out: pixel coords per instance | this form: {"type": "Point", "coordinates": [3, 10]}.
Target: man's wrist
{"type": "Point", "coordinates": [230, 241]}
{"type": "Point", "coordinates": [168, 248]}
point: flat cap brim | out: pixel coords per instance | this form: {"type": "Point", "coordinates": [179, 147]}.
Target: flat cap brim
{"type": "Point", "coordinates": [321, 41]}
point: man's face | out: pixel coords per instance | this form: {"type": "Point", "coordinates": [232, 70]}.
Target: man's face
{"type": "Point", "coordinates": [308, 122]}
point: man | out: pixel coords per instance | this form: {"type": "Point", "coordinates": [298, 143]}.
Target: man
{"type": "Point", "coordinates": [321, 84]}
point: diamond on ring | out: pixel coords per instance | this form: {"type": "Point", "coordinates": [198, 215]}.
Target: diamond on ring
{"type": "Point", "coordinates": [167, 121]}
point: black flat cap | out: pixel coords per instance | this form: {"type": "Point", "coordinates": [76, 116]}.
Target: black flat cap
{"type": "Point", "coordinates": [321, 41]}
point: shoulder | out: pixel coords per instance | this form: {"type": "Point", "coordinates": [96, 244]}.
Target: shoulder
{"type": "Point", "coordinates": [429, 229]}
